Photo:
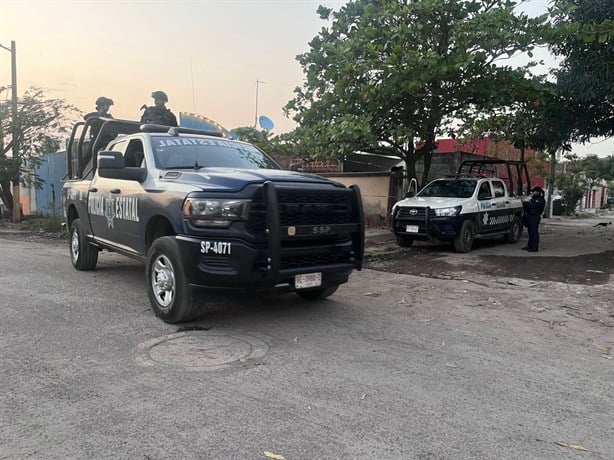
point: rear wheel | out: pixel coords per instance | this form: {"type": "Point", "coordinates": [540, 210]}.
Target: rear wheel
{"type": "Point", "coordinates": [83, 255]}
{"type": "Point", "coordinates": [515, 231]}
{"type": "Point", "coordinates": [405, 241]}
{"type": "Point", "coordinates": [464, 240]}
{"type": "Point", "coordinates": [317, 294]}
{"type": "Point", "coordinates": [169, 294]}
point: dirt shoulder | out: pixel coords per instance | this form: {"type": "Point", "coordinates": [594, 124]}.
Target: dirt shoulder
{"type": "Point", "coordinates": [574, 255]}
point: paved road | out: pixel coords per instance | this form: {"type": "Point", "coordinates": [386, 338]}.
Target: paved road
{"type": "Point", "coordinates": [393, 366]}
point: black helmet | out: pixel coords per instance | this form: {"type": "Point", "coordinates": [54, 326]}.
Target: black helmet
{"type": "Point", "coordinates": [160, 95]}
{"type": "Point", "coordinates": [538, 189]}
{"type": "Point", "coordinates": [103, 101]}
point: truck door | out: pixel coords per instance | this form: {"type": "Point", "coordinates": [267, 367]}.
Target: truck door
{"type": "Point", "coordinates": [100, 204]}
{"type": "Point", "coordinates": [503, 212]}
{"type": "Point", "coordinates": [114, 204]}
{"type": "Point", "coordinates": [129, 200]}
{"type": "Point", "coordinates": [487, 207]}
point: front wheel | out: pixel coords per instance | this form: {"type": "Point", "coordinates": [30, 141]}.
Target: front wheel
{"type": "Point", "coordinates": [464, 240]}
{"type": "Point", "coordinates": [169, 294]}
{"type": "Point", "coordinates": [83, 255]}
{"type": "Point", "coordinates": [317, 294]}
{"type": "Point", "coordinates": [515, 231]}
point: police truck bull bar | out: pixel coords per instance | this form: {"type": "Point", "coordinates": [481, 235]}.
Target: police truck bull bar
{"type": "Point", "coordinates": [274, 230]}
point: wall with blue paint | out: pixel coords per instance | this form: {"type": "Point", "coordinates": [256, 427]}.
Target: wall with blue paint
{"type": "Point", "coordinates": [52, 169]}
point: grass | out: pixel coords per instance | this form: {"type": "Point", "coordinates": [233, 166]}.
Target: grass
{"type": "Point", "coordinates": [46, 225]}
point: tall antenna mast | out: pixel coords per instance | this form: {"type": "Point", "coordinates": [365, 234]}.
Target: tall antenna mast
{"type": "Point", "coordinates": [193, 93]}
{"type": "Point", "coordinates": [258, 82]}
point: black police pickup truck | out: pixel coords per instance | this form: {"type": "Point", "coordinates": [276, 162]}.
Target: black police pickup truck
{"type": "Point", "coordinates": [204, 211]}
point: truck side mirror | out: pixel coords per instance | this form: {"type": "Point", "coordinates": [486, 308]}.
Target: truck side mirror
{"type": "Point", "coordinates": [410, 194]}
{"type": "Point", "coordinates": [112, 166]}
{"type": "Point", "coordinates": [110, 160]}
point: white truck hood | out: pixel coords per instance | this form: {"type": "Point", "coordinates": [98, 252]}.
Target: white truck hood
{"type": "Point", "coordinates": [432, 202]}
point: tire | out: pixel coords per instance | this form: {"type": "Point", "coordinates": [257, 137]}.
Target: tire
{"type": "Point", "coordinates": [83, 255]}
{"type": "Point", "coordinates": [318, 294]}
{"type": "Point", "coordinates": [405, 241]}
{"type": "Point", "coordinates": [464, 241]}
{"type": "Point", "coordinates": [169, 294]}
{"type": "Point", "coordinates": [515, 232]}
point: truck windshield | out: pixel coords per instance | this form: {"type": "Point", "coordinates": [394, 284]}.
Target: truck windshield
{"type": "Point", "coordinates": [452, 188]}
{"type": "Point", "coordinates": [182, 152]}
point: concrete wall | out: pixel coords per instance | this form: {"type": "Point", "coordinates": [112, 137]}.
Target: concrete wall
{"type": "Point", "coordinates": [379, 190]}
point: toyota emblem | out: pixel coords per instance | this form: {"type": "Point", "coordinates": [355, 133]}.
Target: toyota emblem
{"type": "Point", "coordinates": [413, 212]}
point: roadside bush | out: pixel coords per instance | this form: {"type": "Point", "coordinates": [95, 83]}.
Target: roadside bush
{"type": "Point", "coordinates": [45, 224]}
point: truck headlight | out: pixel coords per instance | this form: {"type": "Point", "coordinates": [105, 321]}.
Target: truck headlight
{"type": "Point", "coordinates": [447, 212]}
{"type": "Point", "coordinates": [207, 212]}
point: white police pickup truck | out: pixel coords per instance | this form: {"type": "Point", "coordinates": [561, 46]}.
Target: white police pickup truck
{"type": "Point", "coordinates": [459, 209]}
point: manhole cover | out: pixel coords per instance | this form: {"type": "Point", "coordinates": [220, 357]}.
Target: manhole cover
{"type": "Point", "coordinates": [200, 351]}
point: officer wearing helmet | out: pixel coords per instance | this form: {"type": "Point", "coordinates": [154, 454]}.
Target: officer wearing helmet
{"type": "Point", "coordinates": [159, 114]}
{"type": "Point", "coordinates": [533, 210]}
{"type": "Point", "coordinates": [103, 105]}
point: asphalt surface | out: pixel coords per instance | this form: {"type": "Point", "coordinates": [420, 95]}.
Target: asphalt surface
{"type": "Point", "coordinates": [393, 366]}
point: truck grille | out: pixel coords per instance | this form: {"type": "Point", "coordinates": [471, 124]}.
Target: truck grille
{"type": "Point", "coordinates": [298, 207]}
{"type": "Point", "coordinates": [414, 213]}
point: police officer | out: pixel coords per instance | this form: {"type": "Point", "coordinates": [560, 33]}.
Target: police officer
{"type": "Point", "coordinates": [533, 210]}
{"type": "Point", "coordinates": [159, 114]}
{"type": "Point", "coordinates": [103, 105]}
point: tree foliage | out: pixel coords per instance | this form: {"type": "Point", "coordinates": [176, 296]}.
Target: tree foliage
{"type": "Point", "coordinates": [597, 168]}
{"type": "Point", "coordinates": [571, 187]}
{"type": "Point", "coordinates": [539, 119]}
{"type": "Point", "coordinates": [583, 36]}
{"type": "Point", "coordinates": [387, 73]}
{"type": "Point", "coordinates": [41, 123]}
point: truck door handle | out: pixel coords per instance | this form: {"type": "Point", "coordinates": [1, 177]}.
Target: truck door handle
{"type": "Point", "coordinates": [115, 191]}
{"type": "Point", "coordinates": [93, 190]}
{"type": "Point", "coordinates": [507, 202]}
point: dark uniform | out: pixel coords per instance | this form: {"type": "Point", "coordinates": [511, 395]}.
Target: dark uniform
{"type": "Point", "coordinates": [159, 116]}
{"type": "Point", "coordinates": [103, 104]}
{"type": "Point", "coordinates": [102, 110]}
{"type": "Point", "coordinates": [533, 210]}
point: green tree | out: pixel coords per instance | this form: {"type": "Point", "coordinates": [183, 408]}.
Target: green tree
{"type": "Point", "coordinates": [583, 37]}
{"type": "Point", "coordinates": [541, 119]}
{"type": "Point", "coordinates": [598, 168]}
{"type": "Point", "coordinates": [388, 76]}
{"type": "Point", "coordinates": [41, 124]}
{"type": "Point", "coordinates": [282, 148]}
{"type": "Point", "coordinates": [572, 189]}
{"type": "Point", "coordinates": [528, 122]}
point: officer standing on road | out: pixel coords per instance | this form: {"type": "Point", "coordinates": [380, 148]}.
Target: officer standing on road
{"type": "Point", "coordinates": [103, 105]}
{"type": "Point", "coordinates": [159, 114]}
{"type": "Point", "coordinates": [533, 210]}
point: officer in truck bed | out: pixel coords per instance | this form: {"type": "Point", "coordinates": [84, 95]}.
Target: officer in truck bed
{"type": "Point", "coordinates": [159, 114]}
{"type": "Point", "coordinates": [103, 105]}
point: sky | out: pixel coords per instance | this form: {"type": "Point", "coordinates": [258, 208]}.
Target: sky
{"type": "Point", "coordinates": [206, 55]}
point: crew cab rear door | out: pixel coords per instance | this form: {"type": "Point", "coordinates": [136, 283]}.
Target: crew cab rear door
{"type": "Point", "coordinates": [502, 209]}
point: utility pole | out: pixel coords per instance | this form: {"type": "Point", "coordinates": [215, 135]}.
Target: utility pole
{"type": "Point", "coordinates": [16, 190]}
{"type": "Point", "coordinates": [258, 82]}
